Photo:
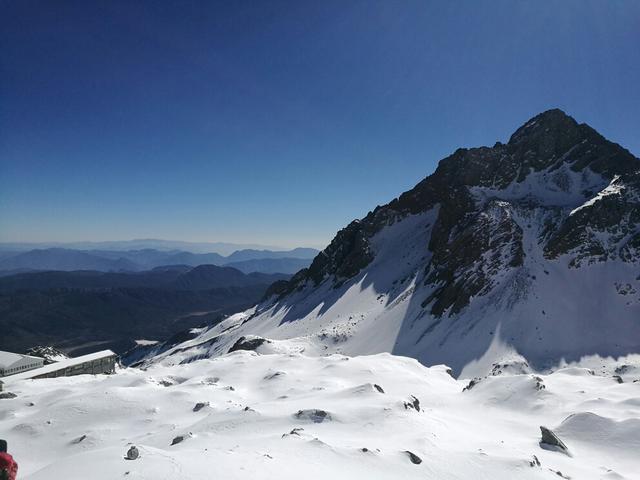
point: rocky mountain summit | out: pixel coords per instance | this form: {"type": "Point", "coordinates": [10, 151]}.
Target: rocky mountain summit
{"type": "Point", "coordinates": [529, 248]}
{"type": "Point", "coordinates": [585, 187]}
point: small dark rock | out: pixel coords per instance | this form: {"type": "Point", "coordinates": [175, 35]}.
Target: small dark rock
{"type": "Point", "coordinates": [618, 378]}
{"type": "Point", "coordinates": [413, 457]}
{"type": "Point", "coordinates": [132, 453]}
{"type": "Point", "coordinates": [178, 439]}
{"type": "Point", "coordinates": [378, 388]}
{"type": "Point", "coordinates": [6, 395]}
{"type": "Point", "coordinates": [79, 439]}
{"type": "Point", "coordinates": [622, 369]}
{"type": "Point", "coordinates": [200, 405]}
{"type": "Point", "coordinates": [295, 431]}
{"type": "Point", "coordinates": [472, 383]}
{"type": "Point", "coordinates": [535, 462]}
{"type": "Point", "coordinates": [412, 403]}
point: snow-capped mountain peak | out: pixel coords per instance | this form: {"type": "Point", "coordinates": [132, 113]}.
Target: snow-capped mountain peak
{"type": "Point", "coordinates": [529, 248]}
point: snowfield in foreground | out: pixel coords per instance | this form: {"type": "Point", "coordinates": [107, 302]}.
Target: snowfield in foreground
{"type": "Point", "coordinates": [246, 415]}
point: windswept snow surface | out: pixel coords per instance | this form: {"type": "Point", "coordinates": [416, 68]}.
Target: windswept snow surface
{"type": "Point", "coordinates": [292, 416]}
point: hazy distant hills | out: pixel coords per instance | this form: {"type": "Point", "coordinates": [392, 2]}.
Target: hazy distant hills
{"type": "Point", "coordinates": [65, 259]}
{"type": "Point", "coordinates": [271, 265]}
{"type": "Point", "coordinates": [76, 299]}
{"type": "Point", "coordinates": [248, 254]}
{"type": "Point", "coordinates": [79, 310]}
{"type": "Point", "coordinates": [174, 277]}
{"type": "Point", "coordinates": [221, 248]}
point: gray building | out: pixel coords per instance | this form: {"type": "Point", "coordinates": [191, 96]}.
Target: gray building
{"type": "Point", "coordinates": [14, 363]}
{"type": "Point", "coordinates": [94, 363]}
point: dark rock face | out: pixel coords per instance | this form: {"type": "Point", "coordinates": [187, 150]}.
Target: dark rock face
{"type": "Point", "coordinates": [347, 254]}
{"type": "Point", "coordinates": [616, 214]}
{"type": "Point", "coordinates": [277, 288]}
{"type": "Point", "coordinates": [244, 343]}
{"type": "Point", "coordinates": [551, 158]}
{"type": "Point", "coordinates": [551, 439]}
{"type": "Point", "coordinates": [488, 242]}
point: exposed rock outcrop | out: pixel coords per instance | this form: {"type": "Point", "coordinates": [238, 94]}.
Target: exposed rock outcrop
{"type": "Point", "coordinates": [550, 439]}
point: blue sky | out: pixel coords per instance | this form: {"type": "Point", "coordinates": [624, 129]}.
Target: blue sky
{"type": "Point", "coordinates": [279, 122]}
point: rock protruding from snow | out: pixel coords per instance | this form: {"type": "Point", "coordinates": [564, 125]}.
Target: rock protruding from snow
{"type": "Point", "coordinates": [132, 453]}
{"type": "Point", "coordinates": [412, 403]}
{"type": "Point", "coordinates": [199, 406]}
{"type": "Point", "coordinates": [49, 353]}
{"type": "Point", "coordinates": [247, 343]}
{"type": "Point", "coordinates": [415, 459]}
{"type": "Point", "coordinates": [550, 439]}
{"type": "Point", "coordinates": [178, 439]}
{"type": "Point", "coordinates": [313, 415]}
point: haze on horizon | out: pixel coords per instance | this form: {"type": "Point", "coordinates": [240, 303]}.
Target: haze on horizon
{"type": "Point", "coordinates": [279, 122]}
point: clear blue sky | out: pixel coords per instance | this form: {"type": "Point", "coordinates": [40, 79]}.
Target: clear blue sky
{"type": "Point", "coordinates": [279, 122]}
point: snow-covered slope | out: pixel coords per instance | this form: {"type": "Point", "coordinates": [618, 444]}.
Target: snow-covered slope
{"type": "Point", "coordinates": [527, 249]}
{"type": "Point", "coordinates": [291, 416]}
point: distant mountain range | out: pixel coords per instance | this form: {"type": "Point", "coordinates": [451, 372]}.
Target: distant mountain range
{"type": "Point", "coordinates": [64, 259]}
{"type": "Point", "coordinates": [76, 311]}
{"type": "Point", "coordinates": [221, 248]}
{"type": "Point", "coordinates": [174, 277]}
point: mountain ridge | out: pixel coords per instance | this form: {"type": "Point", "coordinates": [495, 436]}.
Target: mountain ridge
{"type": "Point", "coordinates": [146, 259]}
{"type": "Point", "coordinates": [465, 268]}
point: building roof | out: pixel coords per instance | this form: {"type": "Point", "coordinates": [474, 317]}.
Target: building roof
{"type": "Point", "coordinates": [9, 358]}
{"type": "Point", "coordinates": [54, 367]}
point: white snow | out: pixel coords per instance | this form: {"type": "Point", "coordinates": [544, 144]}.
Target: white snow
{"type": "Point", "coordinates": [81, 427]}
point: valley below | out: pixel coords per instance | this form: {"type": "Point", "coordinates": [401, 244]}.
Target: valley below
{"type": "Point", "coordinates": [73, 311]}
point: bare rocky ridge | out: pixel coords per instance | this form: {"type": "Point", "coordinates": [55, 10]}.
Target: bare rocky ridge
{"type": "Point", "coordinates": [595, 186]}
